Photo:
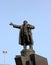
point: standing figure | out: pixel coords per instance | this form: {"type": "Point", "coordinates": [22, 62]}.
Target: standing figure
{"type": "Point", "coordinates": [25, 36]}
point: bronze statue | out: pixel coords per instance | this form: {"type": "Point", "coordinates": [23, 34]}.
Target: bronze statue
{"type": "Point", "coordinates": [25, 36]}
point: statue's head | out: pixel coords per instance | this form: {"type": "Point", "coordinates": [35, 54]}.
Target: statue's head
{"type": "Point", "coordinates": [25, 22]}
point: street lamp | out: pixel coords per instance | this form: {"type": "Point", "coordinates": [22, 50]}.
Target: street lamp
{"type": "Point", "coordinates": [4, 52]}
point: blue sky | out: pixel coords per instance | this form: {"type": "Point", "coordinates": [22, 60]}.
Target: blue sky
{"type": "Point", "coordinates": [37, 13]}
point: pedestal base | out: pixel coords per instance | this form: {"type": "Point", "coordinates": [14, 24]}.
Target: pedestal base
{"type": "Point", "coordinates": [28, 57]}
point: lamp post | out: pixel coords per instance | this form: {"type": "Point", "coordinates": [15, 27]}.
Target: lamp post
{"type": "Point", "coordinates": [4, 52]}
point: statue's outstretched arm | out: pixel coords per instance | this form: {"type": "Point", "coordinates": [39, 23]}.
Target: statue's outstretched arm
{"type": "Point", "coordinates": [14, 25]}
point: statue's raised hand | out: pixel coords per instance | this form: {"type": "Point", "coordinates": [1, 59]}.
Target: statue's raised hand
{"type": "Point", "coordinates": [11, 24]}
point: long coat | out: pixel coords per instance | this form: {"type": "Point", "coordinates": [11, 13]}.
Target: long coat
{"type": "Point", "coordinates": [25, 35]}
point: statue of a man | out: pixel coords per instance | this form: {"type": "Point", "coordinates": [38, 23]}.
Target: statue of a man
{"type": "Point", "coordinates": [25, 36]}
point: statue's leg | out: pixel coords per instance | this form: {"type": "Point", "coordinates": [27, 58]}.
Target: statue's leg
{"type": "Point", "coordinates": [31, 46]}
{"type": "Point", "coordinates": [24, 46]}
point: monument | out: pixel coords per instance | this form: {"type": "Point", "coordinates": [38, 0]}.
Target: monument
{"type": "Point", "coordinates": [28, 56]}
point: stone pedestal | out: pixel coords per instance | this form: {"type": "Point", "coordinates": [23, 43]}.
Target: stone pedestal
{"type": "Point", "coordinates": [28, 57]}
{"type": "Point", "coordinates": [27, 52]}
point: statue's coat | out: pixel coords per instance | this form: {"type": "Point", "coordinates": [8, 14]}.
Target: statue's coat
{"type": "Point", "coordinates": [25, 35]}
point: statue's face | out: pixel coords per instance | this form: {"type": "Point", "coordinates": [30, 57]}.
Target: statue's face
{"type": "Point", "coordinates": [25, 22]}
